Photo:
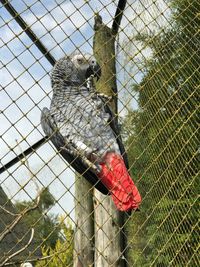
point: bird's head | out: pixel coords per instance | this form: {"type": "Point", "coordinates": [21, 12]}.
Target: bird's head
{"type": "Point", "coordinates": [75, 69]}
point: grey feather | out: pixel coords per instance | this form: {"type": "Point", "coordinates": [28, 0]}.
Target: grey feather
{"type": "Point", "coordinates": [79, 122]}
{"type": "Point", "coordinates": [68, 153]}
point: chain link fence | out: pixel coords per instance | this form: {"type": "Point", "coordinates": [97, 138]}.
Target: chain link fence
{"type": "Point", "coordinates": [50, 216]}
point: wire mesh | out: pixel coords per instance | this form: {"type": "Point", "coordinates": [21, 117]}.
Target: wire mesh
{"type": "Point", "coordinates": [50, 216]}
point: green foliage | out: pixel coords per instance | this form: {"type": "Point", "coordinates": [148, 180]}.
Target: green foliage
{"type": "Point", "coordinates": [46, 225]}
{"type": "Point", "coordinates": [51, 233]}
{"type": "Point", "coordinates": [62, 254]}
{"type": "Point", "coordinates": [164, 145]}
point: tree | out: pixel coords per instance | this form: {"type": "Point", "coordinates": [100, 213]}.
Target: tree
{"type": "Point", "coordinates": [47, 228]}
{"type": "Point", "coordinates": [165, 144]}
{"type": "Point", "coordinates": [17, 242]}
{"type": "Point", "coordinates": [136, 142]}
{"type": "Point", "coordinates": [62, 254]}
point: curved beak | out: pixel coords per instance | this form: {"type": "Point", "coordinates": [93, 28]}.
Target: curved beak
{"type": "Point", "coordinates": [93, 70]}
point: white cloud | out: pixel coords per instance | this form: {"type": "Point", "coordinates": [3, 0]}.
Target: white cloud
{"type": "Point", "coordinates": [145, 16]}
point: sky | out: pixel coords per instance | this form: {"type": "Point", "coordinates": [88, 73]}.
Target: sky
{"type": "Point", "coordinates": [62, 26]}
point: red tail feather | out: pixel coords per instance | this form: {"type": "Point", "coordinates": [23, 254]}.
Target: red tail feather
{"type": "Point", "coordinates": [116, 178]}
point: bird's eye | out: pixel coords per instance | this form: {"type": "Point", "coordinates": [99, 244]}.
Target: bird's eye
{"type": "Point", "coordinates": [80, 60]}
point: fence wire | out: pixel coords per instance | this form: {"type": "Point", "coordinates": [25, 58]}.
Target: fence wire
{"type": "Point", "coordinates": [50, 215]}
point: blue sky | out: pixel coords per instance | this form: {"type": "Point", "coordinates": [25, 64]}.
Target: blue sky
{"type": "Point", "coordinates": [62, 26]}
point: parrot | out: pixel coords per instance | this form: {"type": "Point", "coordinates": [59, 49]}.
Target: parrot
{"type": "Point", "coordinates": [83, 128]}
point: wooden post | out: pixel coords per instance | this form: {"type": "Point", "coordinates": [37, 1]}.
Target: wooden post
{"type": "Point", "coordinates": [104, 51]}
{"type": "Point", "coordinates": [108, 245]}
{"type": "Point", "coordinates": [99, 221]}
{"type": "Point", "coordinates": [84, 231]}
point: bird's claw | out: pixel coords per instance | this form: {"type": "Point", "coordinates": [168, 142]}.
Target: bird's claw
{"type": "Point", "coordinates": [107, 97]}
{"type": "Point", "coordinates": [79, 154]}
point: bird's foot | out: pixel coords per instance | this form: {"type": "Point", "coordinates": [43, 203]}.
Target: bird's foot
{"type": "Point", "coordinates": [77, 153]}
{"type": "Point", "coordinates": [106, 97]}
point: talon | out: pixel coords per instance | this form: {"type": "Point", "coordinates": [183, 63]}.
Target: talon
{"type": "Point", "coordinates": [85, 160]}
{"type": "Point", "coordinates": [105, 96]}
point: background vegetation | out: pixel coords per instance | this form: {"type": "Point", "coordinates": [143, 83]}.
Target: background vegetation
{"type": "Point", "coordinates": [164, 145]}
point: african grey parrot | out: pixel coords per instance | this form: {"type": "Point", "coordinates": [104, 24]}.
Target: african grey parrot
{"type": "Point", "coordinates": [81, 126]}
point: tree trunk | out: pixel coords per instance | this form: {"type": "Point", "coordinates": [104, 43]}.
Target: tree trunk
{"type": "Point", "coordinates": [104, 51]}
{"type": "Point", "coordinates": [107, 232]}
{"type": "Point", "coordinates": [100, 222]}
{"type": "Point", "coordinates": [107, 219]}
{"type": "Point", "coordinates": [84, 231]}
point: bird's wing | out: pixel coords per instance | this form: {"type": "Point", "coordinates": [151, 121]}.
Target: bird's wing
{"type": "Point", "coordinates": [69, 152]}
{"type": "Point", "coordinates": [115, 128]}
